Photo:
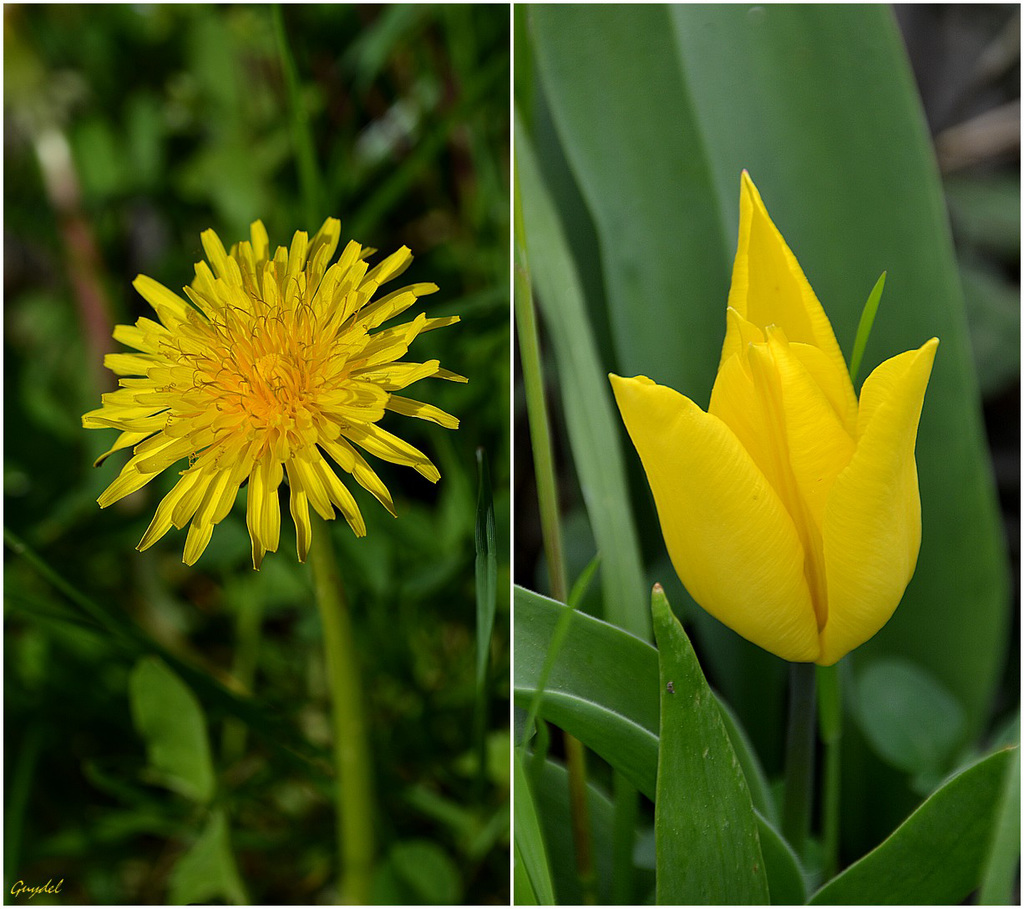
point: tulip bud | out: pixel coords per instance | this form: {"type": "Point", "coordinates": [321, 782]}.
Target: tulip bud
{"type": "Point", "coordinates": [790, 509]}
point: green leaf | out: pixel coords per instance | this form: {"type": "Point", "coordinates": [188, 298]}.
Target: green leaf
{"type": "Point", "coordinates": [867, 320]}
{"type": "Point", "coordinates": [1001, 868]}
{"type": "Point", "coordinates": [938, 854]}
{"type": "Point", "coordinates": [605, 692]}
{"type": "Point", "coordinates": [551, 785]}
{"type": "Point", "coordinates": [601, 687]}
{"type": "Point", "coordinates": [707, 842]}
{"type": "Point", "coordinates": [594, 432]}
{"type": "Point", "coordinates": [582, 584]}
{"type": "Point", "coordinates": [523, 892]}
{"type": "Point", "coordinates": [629, 137]}
{"type": "Point", "coordinates": [532, 875]}
{"type": "Point", "coordinates": [207, 872]}
{"type": "Point", "coordinates": [757, 782]}
{"type": "Point", "coordinates": [909, 718]}
{"type": "Point", "coordinates": [170, 719]}
{"type": "Point", "coordinates": [786, 885]}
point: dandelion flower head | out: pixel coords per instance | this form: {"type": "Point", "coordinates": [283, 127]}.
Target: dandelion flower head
{"type": "Point", "coordinates": [277, 368]}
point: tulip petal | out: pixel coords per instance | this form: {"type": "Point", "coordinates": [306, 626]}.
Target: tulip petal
{"type": "Point", "coordinates": [730, 538]}
{"type": "Point", "coordinates": [769, 287]}
{"type": "Point", "coordinates": [739, 334]}
{"type": "Point", "coordinates": [834, 383]}
{"type": "Point", "coordinates": [805, 439]}
{"type": "Point", "coordinates": [735, 401]}
{"type": "Point", "coordinates": [819, 445]}
{"type": "Point", "coordinates": [872, 530]}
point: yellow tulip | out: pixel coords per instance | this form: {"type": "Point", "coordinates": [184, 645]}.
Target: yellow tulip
{"type": "Point", "coordinates": [790, 509]}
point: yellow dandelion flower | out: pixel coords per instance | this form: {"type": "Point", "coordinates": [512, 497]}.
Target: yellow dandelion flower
{"type": "Point", "coordinates": [278, 364]}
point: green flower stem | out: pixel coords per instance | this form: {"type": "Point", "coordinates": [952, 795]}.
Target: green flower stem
{"type": "Point", "coordinates": [354, 801]}
{"type": "Point", "coordinates": [830, 714]}
{"type": "Point", "coordinates": [799, 780]}
{"type": "Point", "coordinates": [537, 410]}
{"type": "Point", "coordinates": [543, 462]}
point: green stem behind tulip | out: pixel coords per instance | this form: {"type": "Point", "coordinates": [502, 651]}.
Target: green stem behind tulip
{"type": "Point", "coordinates": [537, 411]}
{"type": "Point", "coordinates": [830, 713]}
{"type": "Point", "coordinates": [799, 780]}
{"type": "Point", "coordinates": [354, 803]}
{"type": "Point", "coordinates": [543, 463]}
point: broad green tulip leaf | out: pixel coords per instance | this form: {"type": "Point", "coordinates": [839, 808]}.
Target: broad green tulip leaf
{"type": "Point", "coordinates": [601, 686]}
{"type": "Point", "coordinates": [207, 872]}
{"type": "Point", "coordinates": [603, 689]}
{"type": "Point", "coordinates": [1001, 868]}
{"type": "Point", "coordinates": [551, 786]}
{"type": "Point", "coordinates": [593, 435]}
{"type": "Point", "coordinates": [708, 850]}
{"type": "Point", "coordinates": [908, 717]}
{"type": "Point", "coordinates": [937, 856]}
{"type": "Point", "coordinates": [169, 717]}
{"type": "Point", "coordinates": [523, 891]}
{"type": "Point", "coordinates": [610, 679]}
{"type": "Point", "coordinates": [757, 782]}
{"type": "Point", "coordinates": [840, 152]}
{"type": "Point", "coordinates": [649, 202]}
{"type": "Point", "coordinates": [786, 885]}
{"type": "Point", "coordinates": [532, 874]}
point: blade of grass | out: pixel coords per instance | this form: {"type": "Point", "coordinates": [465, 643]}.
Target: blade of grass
{"type": "Point", "coordinates": [302, 137]}
{"type": "Point", "coordinates": [582, 584]}
{"type": "Point", "coordinates": [20, 788]}
{"type": "Point", "coordinates": [486, 603]}
{"type": "Point", "coordinates": [529, 841]}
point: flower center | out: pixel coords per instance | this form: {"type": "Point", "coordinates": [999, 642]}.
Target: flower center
{"type": "Point", "coordinates": [265, 372]}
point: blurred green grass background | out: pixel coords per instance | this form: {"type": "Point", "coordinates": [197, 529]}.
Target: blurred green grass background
{"type": "Point", "coordinates": [129, 130]}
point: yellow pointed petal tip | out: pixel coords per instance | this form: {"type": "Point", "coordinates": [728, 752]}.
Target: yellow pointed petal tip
{"type": "Point", "coordinates": [270, 357]}
{"type": "Point", "coordinates": [791, 512]}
